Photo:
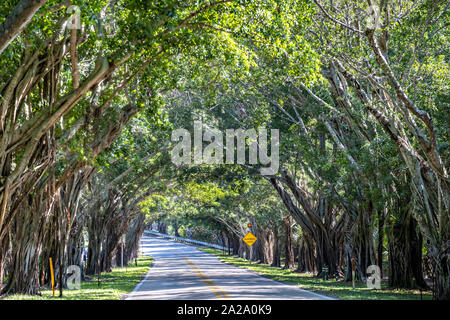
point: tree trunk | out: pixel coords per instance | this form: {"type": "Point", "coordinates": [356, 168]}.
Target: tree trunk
{"type": "Point", "coordinates": [236, 245]}
{"type": "Point", "coordinates": [3, 250]}
{"type": "Point", "coordinates": [134, 234]}
{"type": "Point", "coordinates": [276, 249]}
{"type": "Point", "coordinates": [17, 20]}
{"type": "Point", "coordinates": [306, 258]}
{"type": "Point", "coordinates": [267, 245]}
{"type": "Point", "coordinates": [28, 234]}
{"type": "Point", "coordinates": [405, 252]}
{"type": "Point", "coordinates": [289, 262]}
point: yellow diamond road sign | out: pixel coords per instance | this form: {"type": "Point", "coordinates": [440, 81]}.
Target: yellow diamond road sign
{"type": "Point", "coordinates": [249, 239]}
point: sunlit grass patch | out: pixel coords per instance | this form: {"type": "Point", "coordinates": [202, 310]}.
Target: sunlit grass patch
{"type": "Point", "coordinates": [338, 289]}
{"type": "Point", "coordinates": [113, 285]}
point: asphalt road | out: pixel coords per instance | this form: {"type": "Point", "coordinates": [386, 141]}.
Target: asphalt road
{"type": "Point", "coordinates": [181, 271]}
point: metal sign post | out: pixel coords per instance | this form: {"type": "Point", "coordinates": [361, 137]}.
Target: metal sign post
{"type": "Point", "coordinates": [249, 239]}
{"type": "Point", "coordinates": [325, 272]}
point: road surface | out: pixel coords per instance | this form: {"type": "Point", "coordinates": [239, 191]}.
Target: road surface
{"type": "Point", "coordinates": [181, 271]}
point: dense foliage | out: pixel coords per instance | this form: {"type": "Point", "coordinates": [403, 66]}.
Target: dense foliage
{"type": "Point", "coordinates": [357, 89]}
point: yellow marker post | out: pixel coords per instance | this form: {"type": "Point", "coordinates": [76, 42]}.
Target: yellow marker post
{"type": "Point", "coordinates": [52, 275]}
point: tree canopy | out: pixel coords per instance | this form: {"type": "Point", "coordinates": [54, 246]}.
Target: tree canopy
{"type": "Point", "coordinates": [91, 92]}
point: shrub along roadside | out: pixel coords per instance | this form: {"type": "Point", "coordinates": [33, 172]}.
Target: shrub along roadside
{"type": "Point", "coordinates": [113, 285]}
{"type": "Point", "coordinates": [333, 288]}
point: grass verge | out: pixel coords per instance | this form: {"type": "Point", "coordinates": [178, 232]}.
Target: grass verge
{"type": "Point", "coordinates": [113, 285]}
{"type": "Point", "coordinates": [332, 288]}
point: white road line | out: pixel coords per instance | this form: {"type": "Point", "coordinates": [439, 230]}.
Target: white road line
{"type": "Point", "coordinates": [142, 281]}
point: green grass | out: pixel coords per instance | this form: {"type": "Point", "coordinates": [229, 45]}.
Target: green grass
{"type": "Point", "coordinates": [333, 288]}
{"type": "Point", "coordinates": [113, 285]}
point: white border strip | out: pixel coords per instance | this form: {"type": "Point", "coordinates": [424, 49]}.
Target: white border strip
{"type": "Point", "coordinates": [206, 244]}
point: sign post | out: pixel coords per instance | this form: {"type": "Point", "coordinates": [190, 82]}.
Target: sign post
{"type": "Point", "coordinates": [250, 239]}
{"type": "Point", "coordinates": [325, 272]}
